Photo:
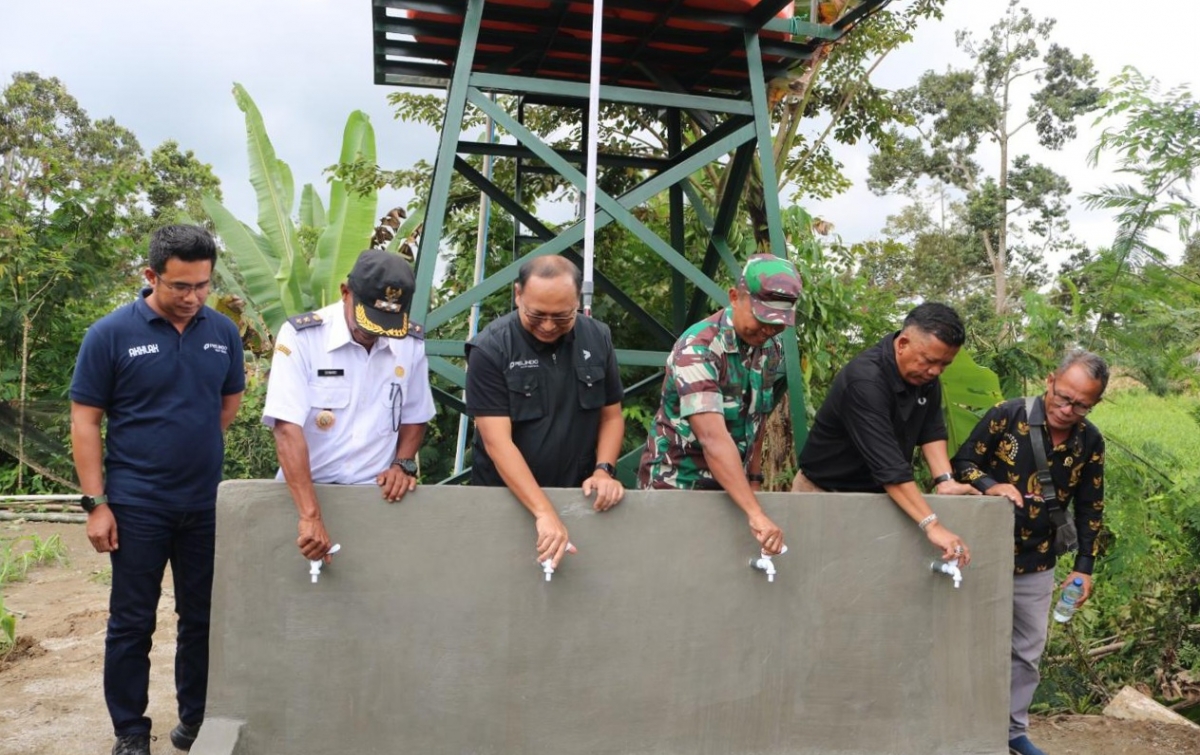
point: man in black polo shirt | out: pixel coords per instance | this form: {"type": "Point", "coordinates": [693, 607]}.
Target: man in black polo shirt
{"type": "Point", "coordinates": [545, 392]}
{"type": "Point", "coordinates": [167, 372]}
{"type": "Point", "coordinates": [882, 405]}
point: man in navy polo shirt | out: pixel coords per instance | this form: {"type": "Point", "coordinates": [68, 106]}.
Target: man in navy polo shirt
{"type": "Point", "coordinates": [167, 373]}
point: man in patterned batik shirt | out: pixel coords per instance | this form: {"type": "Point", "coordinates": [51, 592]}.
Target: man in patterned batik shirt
{"type": "Point", "coordinates": [719, 390]}
{"type": "Point", "coordinates": [998, 460]}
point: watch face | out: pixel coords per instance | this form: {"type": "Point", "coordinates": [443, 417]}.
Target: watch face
{"type": "Point", "coordinates": [408, 465]}
{"type": "Point", "coordinates": [87, 503]}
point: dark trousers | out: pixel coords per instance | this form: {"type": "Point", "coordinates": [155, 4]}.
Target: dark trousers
{"type": "Point", "coordinates": [147, 539]}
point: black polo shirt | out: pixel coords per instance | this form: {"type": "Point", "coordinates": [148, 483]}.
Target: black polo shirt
{"type": "Point", "coordinates": [871, 422]}
{"type": "Point", "coordinates": [552, 392]}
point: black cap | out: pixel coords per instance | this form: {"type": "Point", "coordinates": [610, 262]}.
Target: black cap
{"type": "Point", "coordinates": [381, 284]}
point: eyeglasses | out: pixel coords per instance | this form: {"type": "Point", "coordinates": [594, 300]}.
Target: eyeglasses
{"type": "Point", "coordinates": [538, 319]}
{"type": "Point", "coordinates": [397, 399]}
{"type": "Point", "coordinates": [183, 289]}
{"type": "Point", "coordinates": [1078, 408]}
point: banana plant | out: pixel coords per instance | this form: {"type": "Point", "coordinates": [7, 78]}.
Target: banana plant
{"type": "Point", "coordinates": [270, 269]}
{"type": "Point", "coordinates": [968, 390]}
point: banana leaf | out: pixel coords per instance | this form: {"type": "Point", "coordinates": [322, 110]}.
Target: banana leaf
{"type": "Point", "coordinates": [351, 216]}
{"type": "Point", "coordinates": [272, 182]}
{"type": "Point", "coordinates": [255, 262]}
{"type": "Point", "coordinates": [312, 211]}
{"type": "Point", "coordinates": [968, 390]}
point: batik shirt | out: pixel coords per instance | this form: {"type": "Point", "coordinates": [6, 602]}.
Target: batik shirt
{"type": "Point", "coordinates": [710, 370]}
{"type": "Point", "coordinates": [999, 451]}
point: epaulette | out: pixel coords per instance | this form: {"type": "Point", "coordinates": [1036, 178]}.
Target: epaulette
{"type": "Point", "coordinates": [416, 331]}
{"type": "Point", "coordinates": [306, 320]}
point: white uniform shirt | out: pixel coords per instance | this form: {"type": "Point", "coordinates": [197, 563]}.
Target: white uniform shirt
{"type": "Point", "coordinates": [322, 369]}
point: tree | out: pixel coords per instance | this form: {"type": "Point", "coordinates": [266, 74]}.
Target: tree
{"type": "Point", "coordinates": [951, 111]}
{"type": "Point", "coordinates": [76, 199]}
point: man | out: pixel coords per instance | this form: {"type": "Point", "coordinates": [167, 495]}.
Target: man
{"type": "Point", "coordinates": [718, 392]}
{"type": "Point", "coordinates": [882, 405]}
{"type": "Point", "coordinates": [545, 391]}
{"type": "Point", "coordinates": [167, 373]}
{"type": "Point", "coordinates": [348, 397]}
{"type": "Point", "coordinates": [998, 459]}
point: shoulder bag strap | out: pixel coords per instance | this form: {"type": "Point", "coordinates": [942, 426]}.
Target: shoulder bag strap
{"type": "Point", "coordinates": [1038, 442]}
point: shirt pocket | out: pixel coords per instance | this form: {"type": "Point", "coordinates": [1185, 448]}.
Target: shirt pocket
{"type": "Point", "coordinates": [524, 395]}
{"type": "Point", "coordinates": [591, 386]}
{"type": "Point", "coordinates": [389, 409]}
{"type": "Point", "coordinates": [335, 398]}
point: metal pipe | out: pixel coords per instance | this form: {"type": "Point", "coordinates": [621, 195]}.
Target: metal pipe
{"type": "Point", "coordinates": [593, 137]}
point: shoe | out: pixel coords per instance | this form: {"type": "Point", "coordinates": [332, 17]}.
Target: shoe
{"type": "Point", "coordinates": [1022, 746]}
{"type": "Point", "coordinates": [132, 744]}
{"type": "Point", "coordinates": [184, 735]}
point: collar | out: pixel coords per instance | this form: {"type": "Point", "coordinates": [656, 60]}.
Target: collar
{"type": "Point", "coordinates": [892, 369]}
{"type": "Point", "coordinates": [730, 337]}
{"type": "Point", "coordinates": [338, 334]}
{"type": "Point", "coordinates": [1074, 437]}
{"type": "Point", "coordinates": [149, 315]}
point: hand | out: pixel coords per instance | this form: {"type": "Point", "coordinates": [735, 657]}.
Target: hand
{"type": "Point", "coordinates": [1010, 492]}
{"type": "Point", "coordinates": [768, 535]}
{"type": "Point", "coordinates": [1087, 586]}
{"type": "Point", "coordinates": [314, 540]}
{"type": "Point", "coordinates": [395, 482]}
{"type": "Point", "coordinates": [552, 539]}
{"type": "Point", "coordinates": [609, 491]}
{"type": "Point", "coordinates": [102, 529]}
{"type": "Point", "coordinates": [952, 545]}
{"type": "Point", "coordinates": [950, 487]}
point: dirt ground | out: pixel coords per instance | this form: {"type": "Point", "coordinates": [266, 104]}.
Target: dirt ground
{"type": "Point", "coordinates": [52, 701]}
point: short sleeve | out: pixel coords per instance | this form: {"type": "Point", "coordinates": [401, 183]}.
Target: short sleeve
{"type": "Point", "coordinates": [92, 382]}
{"type": "Point", "coordinates": [287, 387]}
{"type": "Point", "coordinates": [696, 377]}
{"type": "Point", "coordinates": [487, 393]}
{"type": "Point", "coordinates": [235, 379]}
{"type": "Point", "coordinates": [614, 392]}
{"type": "Point", "coordinates": [418, 402]}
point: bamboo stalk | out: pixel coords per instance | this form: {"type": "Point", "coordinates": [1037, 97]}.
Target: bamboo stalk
{"type": "Point", "coordinates": [11, 516]}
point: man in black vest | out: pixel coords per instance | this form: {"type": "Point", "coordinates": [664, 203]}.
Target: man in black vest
{"type": "Point", "coordinates": [545, 392]}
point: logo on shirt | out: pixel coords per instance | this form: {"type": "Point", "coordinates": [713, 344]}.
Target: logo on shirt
{"type": "Point", "coordinates": [586, 355]}
{"type": "Point", "coordinates": [218, 347]}
{"type": "Point", "coordinates": [137, 351]}
{"type": "Point", "coordinates": [523, 363]}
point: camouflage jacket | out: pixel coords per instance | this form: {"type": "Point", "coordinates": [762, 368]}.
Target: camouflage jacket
{"type": "Point", "coordinates": [709, 370]}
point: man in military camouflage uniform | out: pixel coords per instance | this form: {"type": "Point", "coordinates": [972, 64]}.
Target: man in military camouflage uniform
{"type": "Point", "coordinates": [718, 392]}
{"type": "Point", "coordinates": [998, 459]}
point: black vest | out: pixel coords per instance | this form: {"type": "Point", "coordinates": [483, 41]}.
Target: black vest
{"type": "Point", "coordinates": [555, 394]}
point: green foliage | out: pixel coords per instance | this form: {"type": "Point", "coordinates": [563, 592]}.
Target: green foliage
{"type": "Point", "coordinates": [951, 111]}
{"type": "Point", "coordinates": [249, 446]}
{"type": "Point", "coordinates": [284, 269]}
{"type": "Point", "coordinates": [968, 391]}
{"type": "Point", "coordinates": [1145, 607]}
{"type": "Point", "coordinates": [18, 555]}
{"type": "Point", "coordinates": [8, 628]}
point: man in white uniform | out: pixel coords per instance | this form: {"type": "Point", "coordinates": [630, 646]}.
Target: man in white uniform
{"type": "Point", "coordinates": [349, 396]}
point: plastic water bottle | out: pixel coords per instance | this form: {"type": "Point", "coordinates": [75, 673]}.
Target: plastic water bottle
{"type": "Point", "coordinates": [1065, 608]}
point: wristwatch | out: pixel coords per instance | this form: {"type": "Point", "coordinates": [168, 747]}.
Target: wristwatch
{"type": "Point", "coordinates": [89, 503]}
{"type": "Point", "coordinates": [943, 477]}
{"type": "Point", "coordinates": [408, 465]}
{"type": "Point", "coordinates": [606, 467]}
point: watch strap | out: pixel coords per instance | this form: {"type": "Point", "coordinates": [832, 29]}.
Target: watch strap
{"type": "Point", "coordinates": [943, 477]}
{"type": "Point", "coordinates": [606, 467]}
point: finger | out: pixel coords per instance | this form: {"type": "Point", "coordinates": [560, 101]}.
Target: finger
{"type": "Point", "coordinates": [588, 486]}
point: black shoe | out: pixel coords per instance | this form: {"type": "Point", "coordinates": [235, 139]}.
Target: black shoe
{"type": "Point", "coordinates": [184, 735]}
{"type": "Point", "coordinates": [132, 744]}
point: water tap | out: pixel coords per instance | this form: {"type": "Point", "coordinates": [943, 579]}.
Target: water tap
{"type": "Point", "coordinates": [765, 562]}
{"type": "Point", "coordinates": [949, 568]}
{"type": "Point", "coordinates": [314, 567]}
{"type": "Point", "coordinates": [548, 564]}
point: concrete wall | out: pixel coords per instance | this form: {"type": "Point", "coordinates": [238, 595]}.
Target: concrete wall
{"type": "Point", "coordinates": [434, 632]}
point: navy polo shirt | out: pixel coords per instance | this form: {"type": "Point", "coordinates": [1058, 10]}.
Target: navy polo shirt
{"type": "Point", "coordinates": [161, 391]}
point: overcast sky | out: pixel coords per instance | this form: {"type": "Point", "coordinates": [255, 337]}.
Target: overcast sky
{"type": "Point", "coordinates": [165, 70]}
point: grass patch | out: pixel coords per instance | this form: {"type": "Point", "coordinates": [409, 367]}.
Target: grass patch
{"type": "Point", "coordinates": [19, 555]}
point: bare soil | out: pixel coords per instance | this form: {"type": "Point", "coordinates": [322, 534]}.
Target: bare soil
{"type": "Point", "coordinates": [52, 699]}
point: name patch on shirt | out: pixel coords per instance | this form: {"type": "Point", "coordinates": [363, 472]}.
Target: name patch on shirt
{"type": "Point", "coordinates": [523, 363]}
{"type": "Point", "coordinates": [137, 351]}
{"type": "Point", "coordinates": [218, 347]}
{"type": "Point", "coordinates": [330, 373]}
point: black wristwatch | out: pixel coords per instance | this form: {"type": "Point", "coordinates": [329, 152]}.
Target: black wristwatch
{"type": "Point", "coordinates": [408, 465]}
{"type": "Point", "coordinates": [943, 477]}
{"type": "Point", "coordinates": [755, 477]}
{"type": "Point", "coordinates": [89, 503]}
{"type": "Point", "coordinates": [606, 467]}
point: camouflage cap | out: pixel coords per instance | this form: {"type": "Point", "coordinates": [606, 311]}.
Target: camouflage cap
{"type": "Point", "coordinates": [774, 287]}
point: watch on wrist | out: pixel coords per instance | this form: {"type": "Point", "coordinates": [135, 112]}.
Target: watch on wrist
{"type": "Point", "coordinates": [755, 477]}
{"type": "Point", "coordinates": [89, 502]}
{"type": "Point", "coordinates": [606, 467]}
{"type": "Point", "coordinates": [943, 477]}
{"type": "Point", "coordinates": [408, 465]}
